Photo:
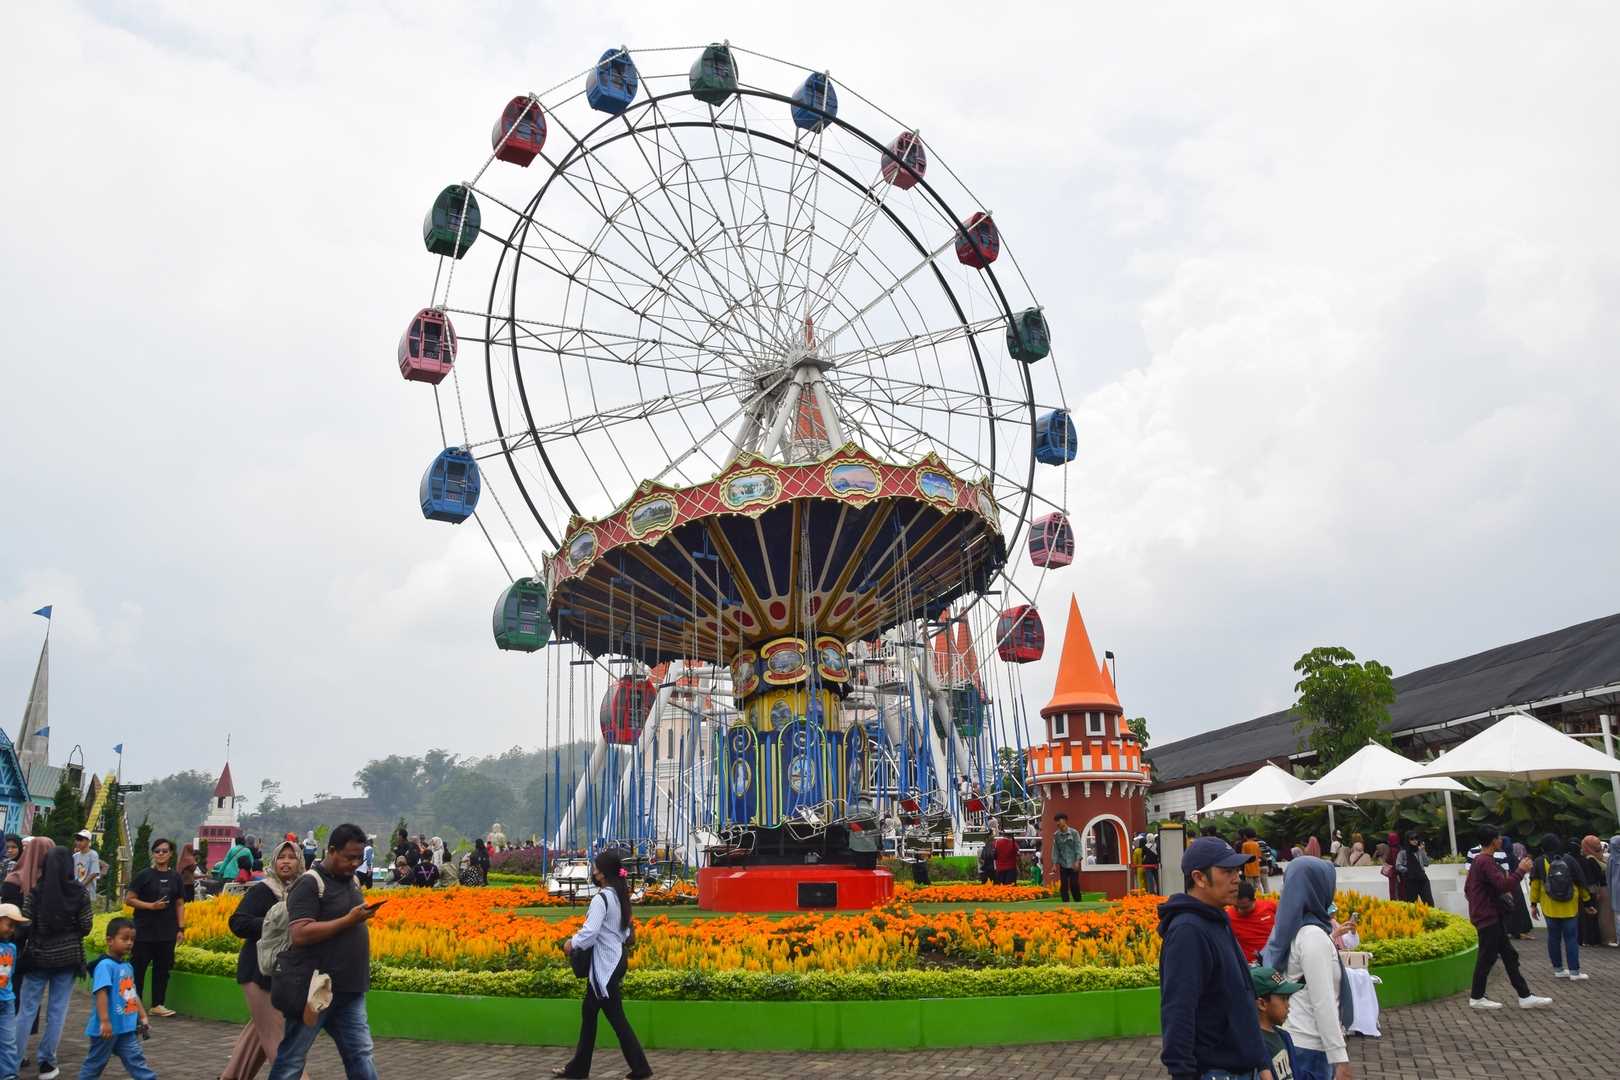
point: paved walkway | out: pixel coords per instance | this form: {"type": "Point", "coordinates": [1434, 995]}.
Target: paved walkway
{"type": "Point", "coordinates": [1439, 1040]}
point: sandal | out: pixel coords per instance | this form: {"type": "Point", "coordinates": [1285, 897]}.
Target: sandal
{"type": "Point", "coordinates": [563, 1072]}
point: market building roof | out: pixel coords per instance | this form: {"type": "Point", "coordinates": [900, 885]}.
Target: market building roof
{"type": "Point", "coordinates": [1433, 705]}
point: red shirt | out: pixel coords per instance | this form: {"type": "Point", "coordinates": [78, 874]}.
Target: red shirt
{"type": "Point", "coordinates": [1006, 853]}
{"type": "Point", "coordinates": [1253, 930]}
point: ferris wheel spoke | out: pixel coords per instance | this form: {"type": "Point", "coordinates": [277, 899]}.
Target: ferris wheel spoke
{"type": "Point", "coordinates": [595, 346]}
{"type": "Point", "coordinates": [797, 235]}
{"type": "Point", "coordinates": [1016, 408]}
{"type": "Point", "coordinates": [927, 339]}
{"type": "Point", "coordinates": [848, 249]}
{"type": "Point", "coordinates": [899, 283]}
{"type": "Point", "coordinates": [612, 417]}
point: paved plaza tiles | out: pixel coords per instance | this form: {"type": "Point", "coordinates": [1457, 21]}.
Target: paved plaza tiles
{"type": "Point", "coordinates": [1439, 1040]}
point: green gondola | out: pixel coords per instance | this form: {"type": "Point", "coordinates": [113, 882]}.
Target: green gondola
{"type": "Point", "coordinates": [445, 230]}
{"type": "Point", "coordinates": [1028, 338]}
{"type": "Point", "coordinates": [521, 623]}
{"type": "Point", "coordinates": [714, 75]}
{"type": "Point", "coordinates": [967, 711]}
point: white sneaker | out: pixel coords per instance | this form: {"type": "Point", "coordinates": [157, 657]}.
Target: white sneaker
{"type": "Point", "coordinates": [1483, 1003]}
{"type": "Point", "coordinates": [1534, 1002]}
{"type": "Point", "coordinates": [1576, 976]}
{"type": "Point", "coordinates": [1560, 973]}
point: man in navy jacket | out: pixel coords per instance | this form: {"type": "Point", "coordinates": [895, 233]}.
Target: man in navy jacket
{"type": "Point", "coordinates": [1206, 999]}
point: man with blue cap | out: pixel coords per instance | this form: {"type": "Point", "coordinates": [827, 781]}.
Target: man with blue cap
{"type": "Point", "coordinates": [1206, 998]}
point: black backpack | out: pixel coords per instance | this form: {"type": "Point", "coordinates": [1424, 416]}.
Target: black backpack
{"type": "Point", "coordinates": [1559, 878]}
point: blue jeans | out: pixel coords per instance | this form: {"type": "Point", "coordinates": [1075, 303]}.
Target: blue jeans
{"type": "Point", "coordinates": [128, 1049]}
{"type": "Point", "coordinates": [9, 1057]}
{"type": "Point", "coordinates": [345, 1021]}
{"type": "Point", "coordinates": [1564, 935]}
{"type": "Point", "coordinates": [1311, 1064]}
{"type": "Point", "coordinates": [34, 985]}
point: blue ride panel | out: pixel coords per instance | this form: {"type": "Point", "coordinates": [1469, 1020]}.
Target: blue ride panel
{"type": "Point", "coordinates": [1055, 440]}
{"type": "Point", "coordinates": [612, 84]}
{"type": "Point", "coordinates": [450, 486]}
{"type": "Point", "coordinates": [816, 93]}
{"type": "Point", "coordinates": [739, 792]}
{"type": "Point", "coordinates": [804, 767]}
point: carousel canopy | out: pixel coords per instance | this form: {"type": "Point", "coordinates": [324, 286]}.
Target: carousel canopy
{"type": "Point", "coordinates": [1518, 747]}
{"type": "Point", "coordinates": [1374, 772]}
{"type": "Point", "coordinates": [846, 545]}
{"type": "Point", "coordinates": [1267, 788]}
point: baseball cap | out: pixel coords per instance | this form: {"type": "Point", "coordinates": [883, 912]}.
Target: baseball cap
{"type": "Point", "coordinates": [1268, 980]}
{"type": "Point", "coordinates": [1208, 851]}
{"type": "Point", "coordinates": [84, 834]}
{"type": "Point", "coordinates": [12, 912]}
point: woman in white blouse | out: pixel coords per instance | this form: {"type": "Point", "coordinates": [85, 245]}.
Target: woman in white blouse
{"type": "Point", "coordinates": [607, 932]}
{"type": "Point", "coordinates": [1302, 946]}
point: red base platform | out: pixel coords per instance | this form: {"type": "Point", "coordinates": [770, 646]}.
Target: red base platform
{"type": "Point", "coordinates": [792, 888]}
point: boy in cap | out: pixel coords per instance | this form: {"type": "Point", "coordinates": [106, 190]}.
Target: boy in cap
{"type": "Point", "coordinates": [86, 863]}
{"type": "Point", "coordinates": [1271, 994]}
{"type": "Point", "coordinates": [1206, 1006]}
{"type": "Point", "coordinates": [11, 917]}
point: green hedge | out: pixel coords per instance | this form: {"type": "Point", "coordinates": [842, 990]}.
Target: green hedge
{"type": "Point", "coordinates": [1453, 935]}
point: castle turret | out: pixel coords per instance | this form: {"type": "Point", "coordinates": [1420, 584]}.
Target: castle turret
{"type": "Point", "coordinates": [219, 832]}
{"type": "Point", "coordinates": [1089, 767]}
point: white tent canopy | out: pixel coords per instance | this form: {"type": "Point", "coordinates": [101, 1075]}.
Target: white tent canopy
{"type": "Point", "coordinates": [1518, 747]}
{"type": "Point", "coordinates": [1267, 788]}
{"type": "Point", "coordinates": [1374, 772]}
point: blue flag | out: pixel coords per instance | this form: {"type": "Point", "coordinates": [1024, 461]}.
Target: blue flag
{"type": "Point", "coordinates": [45, 611]}
{"type": "Point", "coordinates": [119, 749]}
{"type": "Point", "coordinates": [43, 732]}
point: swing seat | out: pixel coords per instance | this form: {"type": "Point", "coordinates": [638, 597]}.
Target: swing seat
{"type": "Point", "coordinates": [974, 804]}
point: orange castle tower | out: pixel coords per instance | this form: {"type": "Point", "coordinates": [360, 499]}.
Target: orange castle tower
{"type": "Point", "coordinates": [1090, 767]}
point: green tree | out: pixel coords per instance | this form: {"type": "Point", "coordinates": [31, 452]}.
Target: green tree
{"type": "Point", "coordinates": [112, 838]}
{"type": "Point", "coordinates": [470, 802]}
{"type": "Point", "coordinates": [140, 855]}
{"type": "Point", "coordinates": [393, 784]}
{"type": "Point", "coordinates": [66, 817]}
{"type": "Point", "coordinates": [1342, 705]}
{"type": "Point", "coordinates": [175, 805]}
{"type": "Point", "coordinates": [269, 797]}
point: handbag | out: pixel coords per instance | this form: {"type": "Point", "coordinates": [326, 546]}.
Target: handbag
{"type": "Point", "coordinates": [289, 986]}
{"type": "Point", "coordinates": [580, 961]}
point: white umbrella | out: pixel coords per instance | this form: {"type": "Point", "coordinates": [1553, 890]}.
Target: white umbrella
{"type": "Point", "coordinates": [1267, 788]}
{"type": "Point", "coordinates": [1518, 747]}
{"type": "Point", "coordinates": [1375, 772]}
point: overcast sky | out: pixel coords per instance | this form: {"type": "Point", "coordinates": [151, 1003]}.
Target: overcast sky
{"type": "Point", "coordinates": [1335, 294]}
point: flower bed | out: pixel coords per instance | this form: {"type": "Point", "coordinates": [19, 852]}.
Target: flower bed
{"type": "Point", "coordinates": [473, 942]}
{"type": "Point", "coordinates": [971, 893]}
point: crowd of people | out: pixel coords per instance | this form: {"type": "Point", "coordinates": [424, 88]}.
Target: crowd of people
{"type": "Point", "coordinates": [1256, 988]}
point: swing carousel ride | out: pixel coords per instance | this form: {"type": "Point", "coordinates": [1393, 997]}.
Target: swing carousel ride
{"type": "Point", "coordinates": [768, 392]}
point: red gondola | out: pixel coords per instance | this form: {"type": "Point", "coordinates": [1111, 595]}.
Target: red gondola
{"type": "Point", "coordinates": [625, 708]}
{"type": "Point", "coordinates": [1020, 637]}
{"type": "Point", "coordinates": [427, 348]}
{"type": "Point", "coordinates": [978, 243]}
{"type": "Point", "coordinates": [1051, 541]}
{"type": "Point", "coordinates": [906, 161]}
{"type": "Point", "coordinates": [523, 118]}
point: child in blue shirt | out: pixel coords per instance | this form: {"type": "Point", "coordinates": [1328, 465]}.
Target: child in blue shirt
{"type": "Point", "coordinates": [117, 1017]}
{"type": "Point", "coordinates": [11, 917]}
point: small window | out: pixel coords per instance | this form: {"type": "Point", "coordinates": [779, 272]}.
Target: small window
{"type": "Point", "coordinates": [1094, 723]}
{"type": "Point", "coordinates": [1060, 726]}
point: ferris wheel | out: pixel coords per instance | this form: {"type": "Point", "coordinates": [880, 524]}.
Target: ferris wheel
{"type": "Point", "coordinates": [683, 256]}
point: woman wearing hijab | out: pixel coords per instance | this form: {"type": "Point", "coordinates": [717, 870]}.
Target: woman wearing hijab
{"type": "Point", "coordinates": [13, 853]}
{"type": "Point", "coordinates": [1313, 848]}
{"type": "Point", "coordinates": [259, 1039]}
{"type": "Point", "coordinates": [59, 910]}
{"type": "Point", "coordinates": [1301, 945]}
{"type": "Point", "coordinates": [1392, 852]}
{"type": "Point", "coordinates": [22, 878]}
{"type": "Point", "coordinates": [607, 928]}
{"type": "Point", "coordinates": [1358, 855]}
{"type": "Point", "coordinates": [1597, 883]}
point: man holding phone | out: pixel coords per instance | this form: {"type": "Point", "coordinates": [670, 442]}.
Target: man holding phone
{"type": "Point", "coordinates": [327, 915]}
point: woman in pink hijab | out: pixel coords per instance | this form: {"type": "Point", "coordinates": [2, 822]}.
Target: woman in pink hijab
{"type": "Point", "coordinates": [21, 881]}
{"type": "Point", "coordinates": [1394, 850]}
{"type": "Point", "coordinates": [1313, 848]}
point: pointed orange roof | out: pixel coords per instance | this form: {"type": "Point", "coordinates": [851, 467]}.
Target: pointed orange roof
{"type": "Point", "coordinates": [1081, 682]}
{"type": "Point", "coordinates": [968, 659]}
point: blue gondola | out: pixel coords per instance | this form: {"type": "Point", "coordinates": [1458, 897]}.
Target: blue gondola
{"type": "Point", "coordinates": [816, 93]}
{"type": "Point", "coordinates": [450, 486]}
{"type": "Point", "coordinates": [1055, 438]}
{"type": "Point", "coordinates": [1028, 338]}
{"type": "Point", "coordinates": [612, 84]}
{"type": "Point", "coordinates": [451, 224]}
